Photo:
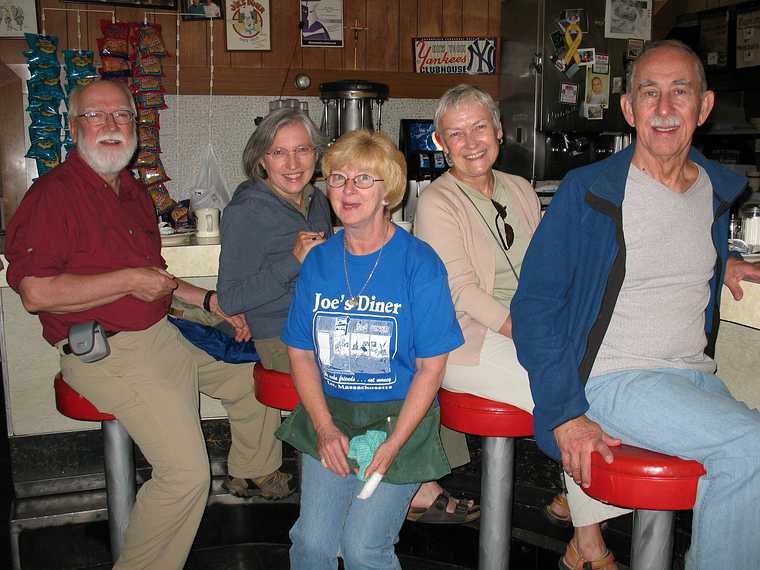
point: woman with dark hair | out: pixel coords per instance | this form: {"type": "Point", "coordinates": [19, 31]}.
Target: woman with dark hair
{"type": "Point", "coordinates": [272, 222]}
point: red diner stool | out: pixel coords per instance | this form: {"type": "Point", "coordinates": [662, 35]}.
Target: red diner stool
{"type": "Point", "coordinates": [499, 424]}
{"type": "Point", "coordinates": [274, 389]}
{"type": "Point", "coordinates": [119, 458]}
{"type": "Point", "coordinates": [655, 485]}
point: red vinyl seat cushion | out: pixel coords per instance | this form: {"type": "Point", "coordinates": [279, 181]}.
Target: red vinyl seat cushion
{"type": "Point", "coordinates": [75, 406]}
{"type": "Point", "coordinates": [478, 416]}
{"type": "Point", "coordinates": [642, 479]}
{"type": "Point", "coordinates": [274, 389]}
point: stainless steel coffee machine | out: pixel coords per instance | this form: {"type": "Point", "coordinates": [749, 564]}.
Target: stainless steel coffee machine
{"type": "Point", "coordinates": [351, 104]}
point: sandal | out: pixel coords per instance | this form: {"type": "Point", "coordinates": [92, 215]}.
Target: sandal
{"type": "Point", "coordinates": [559, 503]}
{"type": "Point", "coordinates": [577, 562]}
{"type": "Point", "coordinates": [437, 513]}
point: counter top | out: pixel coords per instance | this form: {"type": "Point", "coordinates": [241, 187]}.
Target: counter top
{"type": "Point", "coordinates": [745, 312]}
{"type": "Point", "coordinates": [193, 260]}
{"type": "Point", "coordinates": [190, 260]}
{"type": "Point", "coordinates": [202, 260]}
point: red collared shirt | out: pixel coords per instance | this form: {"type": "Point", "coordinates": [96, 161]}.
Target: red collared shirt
{"type": "Point", "coordinates": [71, 221]}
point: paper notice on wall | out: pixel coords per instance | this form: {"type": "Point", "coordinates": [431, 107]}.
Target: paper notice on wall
{"type": "Point", "coordinates": [747, 39]}
{"type": "Point", "coordinates": [628, 19]}
{"type": "Point", "coordinates": [322, 23]}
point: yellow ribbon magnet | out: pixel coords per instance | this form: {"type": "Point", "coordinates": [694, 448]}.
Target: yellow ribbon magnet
{"type": "Point", "coordinates": [573, 43]}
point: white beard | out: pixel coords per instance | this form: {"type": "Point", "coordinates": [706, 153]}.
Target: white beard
{"type": "Point", "coordinates": [104, 160]}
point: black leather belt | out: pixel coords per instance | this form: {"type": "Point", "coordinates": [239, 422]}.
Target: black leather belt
{"type": "Point", "coordinates": [66, 348]}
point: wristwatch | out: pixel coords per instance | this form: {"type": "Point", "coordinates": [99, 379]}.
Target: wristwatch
{"type": "Point", "coordinates": [207, 299]}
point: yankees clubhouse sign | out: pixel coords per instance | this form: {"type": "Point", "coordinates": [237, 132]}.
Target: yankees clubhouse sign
{"type": "Point", "coordinates": [472, 55]}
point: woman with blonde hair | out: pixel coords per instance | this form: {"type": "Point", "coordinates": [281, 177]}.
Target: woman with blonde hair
{"type": "Point", "coordinates": [368, 334]}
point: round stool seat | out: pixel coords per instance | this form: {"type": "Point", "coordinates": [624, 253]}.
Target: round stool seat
{"type": "Point", "coordinates": [643, 479]}
{"type": "Point", "coordinates": [274, 389]}
{"type": "Point", "coordinates": [478, 416]}
{"type": "Point", "coordinates": [75, 406]}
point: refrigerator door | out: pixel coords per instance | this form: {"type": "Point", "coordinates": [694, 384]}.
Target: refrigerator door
{"type": "Point", "coordinates": [557, 116]}
{"type": "Point", "coordinates": [520, 85]}
{"type": "Point", "coordinates": [545, 135]}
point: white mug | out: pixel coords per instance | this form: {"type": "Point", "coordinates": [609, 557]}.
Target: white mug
{"type": "Point", "coordinates": [207, 222]}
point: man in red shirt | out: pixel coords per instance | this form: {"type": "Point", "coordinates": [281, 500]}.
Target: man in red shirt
{"type": "Point", "coordinates": [84, 245]}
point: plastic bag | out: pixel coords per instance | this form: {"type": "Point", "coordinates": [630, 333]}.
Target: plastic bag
{"type": "Point", "coordinates": [209, 189]}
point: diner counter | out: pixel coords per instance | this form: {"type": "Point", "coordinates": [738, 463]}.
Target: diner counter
{"type": "Point", "coordinates": [29, 363]}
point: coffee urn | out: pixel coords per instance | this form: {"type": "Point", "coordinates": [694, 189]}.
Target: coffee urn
{"type": "Point", "coordinates": [351, 104]}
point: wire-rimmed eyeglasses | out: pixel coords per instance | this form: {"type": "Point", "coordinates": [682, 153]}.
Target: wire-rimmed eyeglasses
{"type": "Point", "coordinates": [362, 181]}
{"type": "Point", "coordinates": [97, 118]}
{"type": "Point", "coordinates": [507, 237]}
{"type": "Point", "coordinates": [301, 151]}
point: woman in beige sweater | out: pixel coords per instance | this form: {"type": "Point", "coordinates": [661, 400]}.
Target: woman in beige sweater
{"type": "Point", "coordinates": [480, 222]}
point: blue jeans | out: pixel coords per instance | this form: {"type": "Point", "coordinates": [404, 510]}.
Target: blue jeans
{"type": "Point", "coordinates": [333, 522]}
{"type": "Point", "coordinates": [691, 414]}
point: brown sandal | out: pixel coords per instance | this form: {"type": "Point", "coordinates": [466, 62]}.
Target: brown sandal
{"type": "Point", "coordinates": [436, 513]}
{"type": "Point", "coordinates": [559, 503]}
{"type": "Point", "coordinates": [577, 562]}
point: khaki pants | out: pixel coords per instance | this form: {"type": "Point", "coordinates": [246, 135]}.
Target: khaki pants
{"type": "Point", "coordinates": [273, 353]}
{"type": "Point", "coordinates": [150, 382]}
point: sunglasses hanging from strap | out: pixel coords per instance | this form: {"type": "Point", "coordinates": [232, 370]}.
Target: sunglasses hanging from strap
{"type": "Point", "coordinates": [504, 241]}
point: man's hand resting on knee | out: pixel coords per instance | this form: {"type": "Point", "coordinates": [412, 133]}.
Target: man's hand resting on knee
{"type": "Point", "coordinates": [577, 439]}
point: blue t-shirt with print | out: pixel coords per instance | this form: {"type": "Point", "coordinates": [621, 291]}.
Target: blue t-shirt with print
{"type": "Point", "coordinates": [367, 352]}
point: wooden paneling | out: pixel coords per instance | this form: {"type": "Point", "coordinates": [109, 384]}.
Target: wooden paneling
{"type": "Point", "coordinates": [284, 18]}
{"type": "Point", "coordinates": [384, 48]}
{"type": "Point", "coordinates": [407, 30]}
{"type": "Point", "coordinates": [231, 81]}
{"type": "Point", "coordinates": [429, 16]}
{"type": "Point", "coordinates": [494, 18]}
{"type": "Point", "coordinates": [193, 43]}
{"type": "Point", "coordinates": [475, 18]}
{"type": "Point", "coordinates": [313, 58]}
{"type": "Point", "coordinates": [452, 18]}
{"type": "Point", "coordinates": [382, 34]}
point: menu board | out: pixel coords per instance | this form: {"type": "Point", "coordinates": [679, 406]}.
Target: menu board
{"type": "Point", "coordinates": [748, 39]}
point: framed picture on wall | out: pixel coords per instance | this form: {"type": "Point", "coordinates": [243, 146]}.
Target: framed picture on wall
{"type": "Point", "coordinates": [247, 25]}
{"type": "Point", "coordinates": [160, 4]}
{"type": "Point", "coordinates": [202, 9]}
{"type": "Point", "coordinates": [17, 17]}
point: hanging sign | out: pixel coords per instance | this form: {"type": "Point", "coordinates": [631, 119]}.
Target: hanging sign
{"type": "Point", "coordinates": [17, 17]}
{"type": "Point", "coordinates": [471, 55]}
{"type": "Point", "coordinates": [247, 25]}
{"type": "Point", "coordinates": [322, 23]}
